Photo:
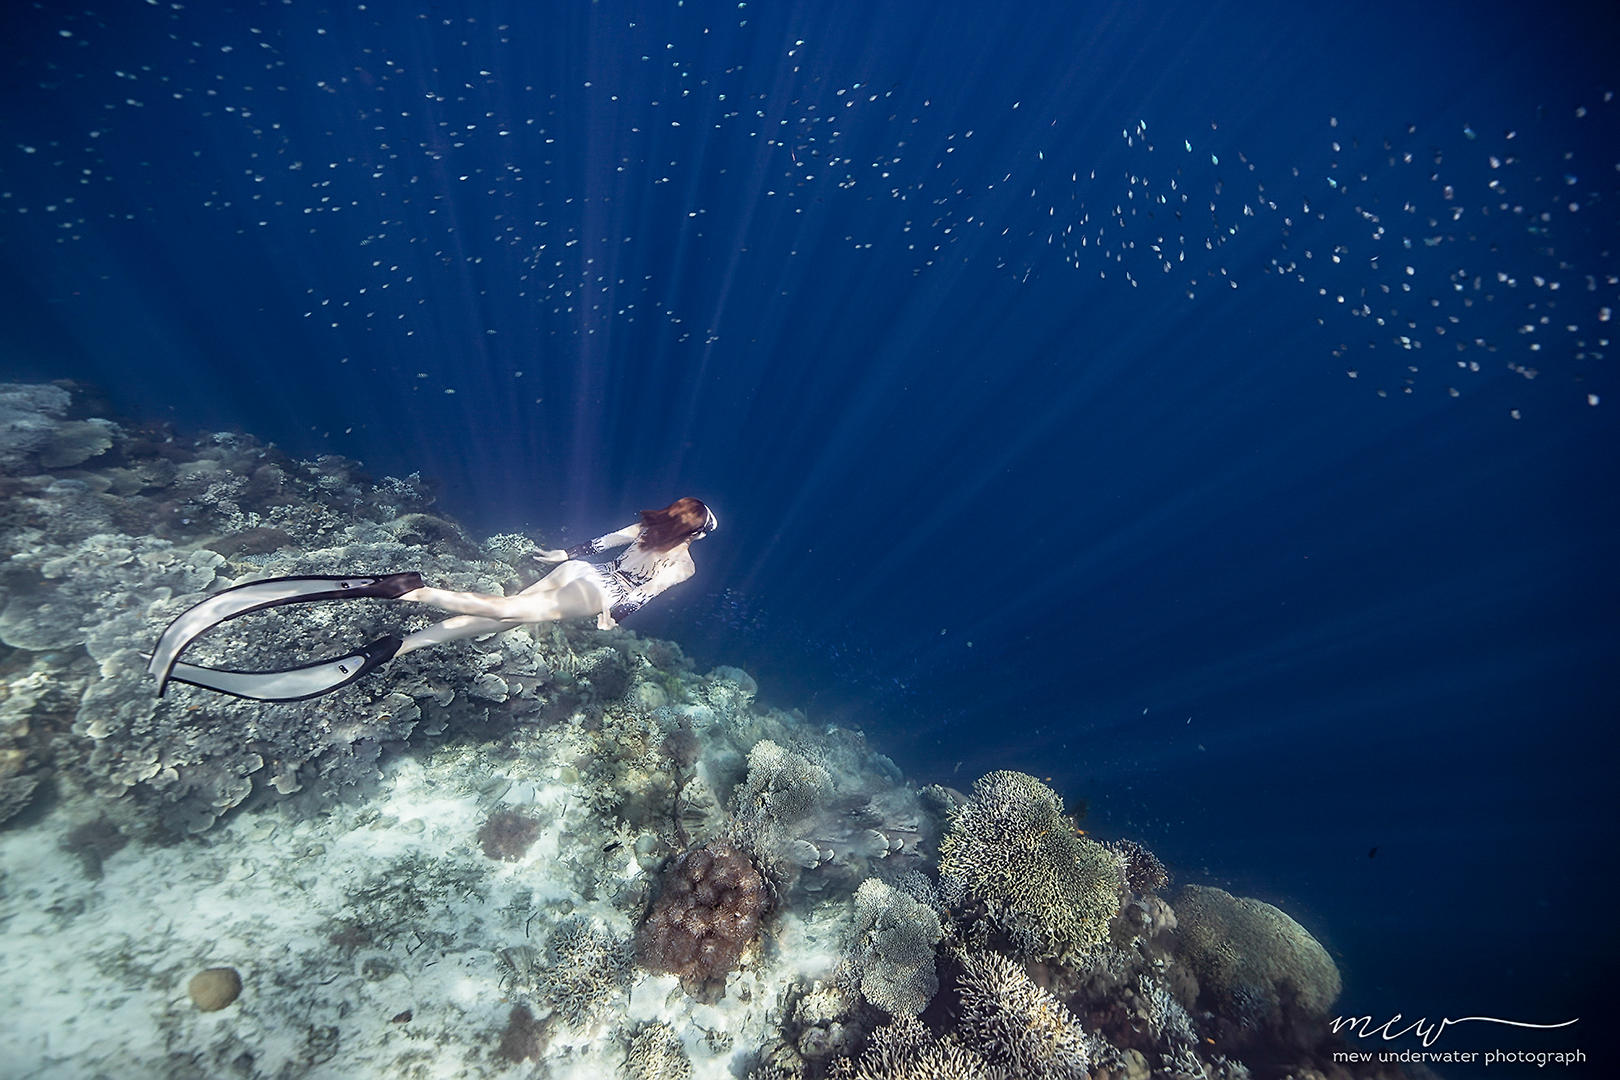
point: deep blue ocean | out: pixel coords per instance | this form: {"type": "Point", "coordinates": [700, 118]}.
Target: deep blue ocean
{"type": "Point", "coordinates": [1208, 406]}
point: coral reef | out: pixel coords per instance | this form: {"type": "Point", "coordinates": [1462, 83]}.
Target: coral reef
{"type": "Point", "coordinates": [450, 868]}
{"type": "Point", "coordinates": [30, 416]}
{"type": "Point", "coordinates": [1010, 849]}
{"type": "Point", "coordinates": [94, 562]}
{"type": "Point", "coordinates": [895, 935]}
{"type": "Point", "coordinates": [1256, 966]}
{"type": "Point", "coordinates": [656, 1053]}
{"type": "Point", "coordinates": [589, 969]}
{"type": "Point", "coordinates": [905, 1050]}
{"type": "Point", "coordinates": [709, 911]}
{"type": "Point", "coordinates": [1016, 1024]}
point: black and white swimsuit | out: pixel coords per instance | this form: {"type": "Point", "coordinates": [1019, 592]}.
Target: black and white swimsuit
{"type": "Point", "coordinates": [638, 574]}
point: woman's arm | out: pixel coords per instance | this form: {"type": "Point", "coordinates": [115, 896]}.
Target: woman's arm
{"type": "Point", "coordinates": [626, 535]}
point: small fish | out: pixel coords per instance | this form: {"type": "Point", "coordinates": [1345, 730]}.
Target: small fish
{"type": "Point", "coordinates": [1372, 851]}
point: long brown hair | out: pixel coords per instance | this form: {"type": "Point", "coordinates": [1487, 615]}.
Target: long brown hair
{"type": "Point", "coordinates": [674, 524]}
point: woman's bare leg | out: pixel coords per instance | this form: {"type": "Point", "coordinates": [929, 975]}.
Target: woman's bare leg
{"type": "Point", "coordinates": [571, 591]}
{"type": "Point", "coordinates": [456, 629]}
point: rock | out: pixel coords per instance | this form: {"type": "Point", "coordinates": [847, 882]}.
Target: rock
{"type": "Point", "coordinates": [215, 988]}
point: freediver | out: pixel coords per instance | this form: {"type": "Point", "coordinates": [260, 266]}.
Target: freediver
{"type": "Point", "coordinates": [656, 556]}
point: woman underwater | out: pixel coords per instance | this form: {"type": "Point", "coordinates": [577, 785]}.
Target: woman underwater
{"type": "Point", "coordinates": [656, 556]}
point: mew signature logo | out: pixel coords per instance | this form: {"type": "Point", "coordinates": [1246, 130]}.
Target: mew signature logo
{"type": "Point", "coordinates": [1426, 1031]}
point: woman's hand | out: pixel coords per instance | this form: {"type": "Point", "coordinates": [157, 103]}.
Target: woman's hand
{"type": "Point", "coordinates": [556, 555]}
{"type": "Point", "coordinates": [604, 621]}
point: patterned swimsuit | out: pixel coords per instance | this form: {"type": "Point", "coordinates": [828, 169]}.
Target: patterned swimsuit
{"type": "Point", "coordinates": [638, 574]}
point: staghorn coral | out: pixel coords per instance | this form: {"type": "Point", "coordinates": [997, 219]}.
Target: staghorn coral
{"type": "Point", "coordinates": [656, 1053]}
{"type": "Point", "coordinates": [709, 912]}
{"type": "Point", "coordinates": [589, 969]}
{"type": "Point", "coordinates": [905, 1050]}
{"type": "Point", "coordinates": [1255, 965]}
{"type": "Point", "coordinates": [893, 953]}
{"type": "Point", "coordinates": [1011, 849]}
{"type": "Point", "coordinates": [1016, 1024]}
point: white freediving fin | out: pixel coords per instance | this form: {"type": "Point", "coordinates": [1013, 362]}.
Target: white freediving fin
{"type": "Point", "coordinates": [258, 595]}
{"type": "Point", "coordinates": [293, 684]}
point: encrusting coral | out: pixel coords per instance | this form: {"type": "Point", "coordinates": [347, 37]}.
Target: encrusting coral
{"type": "Point", "coordinates": [1010, 849]}
{"type": "Point", "coordinates": [708, 913]}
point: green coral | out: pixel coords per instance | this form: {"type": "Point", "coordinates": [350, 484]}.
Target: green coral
{"type": "Point", "coordinates": [1012, 850]}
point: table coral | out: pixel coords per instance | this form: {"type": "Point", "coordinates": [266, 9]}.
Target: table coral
{"type": "Point", "coordinates": [1010, 849]}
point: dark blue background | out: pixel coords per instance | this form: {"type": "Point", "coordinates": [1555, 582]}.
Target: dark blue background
{"type": "Point", "coordinates": [1259, 616]}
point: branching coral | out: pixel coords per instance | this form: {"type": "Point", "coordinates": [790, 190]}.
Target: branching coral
{"type": "Point", "coordinates": [708, 913]}
{"type": "Point", "coordinates": [656, 1053]}
{"type": "Point", "coordinates": [904, 1050]}
{"type": "Point", "coordinates": [1014, 1023]}
{"type": "Point", "coordinates": [1010, 848]}
{"type": "Point", "coordinates": [588, 971]}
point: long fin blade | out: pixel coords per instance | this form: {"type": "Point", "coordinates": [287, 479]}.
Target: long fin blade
{"type": "Point", "coordinates": [293, 684]}
{"type": "Point", "coordinates": [257, 595]}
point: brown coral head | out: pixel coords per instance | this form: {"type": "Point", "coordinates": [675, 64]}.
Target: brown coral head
{"type": "Point", "coordinates": [1143, 870]}
{"type": "Point", "coordinates": [508, 834]}
{"type": "Point", "coordinates": [709, 911]}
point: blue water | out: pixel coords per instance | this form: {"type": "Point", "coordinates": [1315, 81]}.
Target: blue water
{"type": "Point", "coordinates": [1001, 498]}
